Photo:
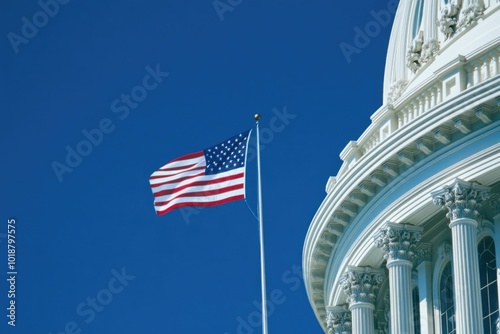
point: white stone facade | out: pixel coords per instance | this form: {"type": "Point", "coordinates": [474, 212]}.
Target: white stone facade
{"type": "Point", "coordinates": [407, 239]}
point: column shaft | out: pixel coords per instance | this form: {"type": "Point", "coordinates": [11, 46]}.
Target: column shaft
{"type": "Point", "coordinates": [401, 296]}
{"type": "Point", "coordinates": [466, 276]}
{"type": "Point", "coordinates": [362, 318]}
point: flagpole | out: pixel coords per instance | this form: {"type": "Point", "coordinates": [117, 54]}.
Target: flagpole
{"type": "Point", "coordinates": [261, 230]}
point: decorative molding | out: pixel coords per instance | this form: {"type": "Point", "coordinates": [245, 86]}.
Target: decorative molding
{"type": "Point", "coordinates": [361, 283]}
{"type": "Point", "coordinates": [398, 241]}
{"type": "Point", "coordinates": [397, 88]}
{"type": "Point", "coordinates": [461, 198]}
{"type": "Point", "coordinates": [469, 15]}
{"type": "Point", "coordinates": [429, 51]}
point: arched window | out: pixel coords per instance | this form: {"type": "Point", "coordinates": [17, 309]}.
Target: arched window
{"type": "Point", "coordinates": [417, 17]}
{"type": "Point", "coordinates": [447, 303]}
{"type": "Point", "coordinates": [416, 310]}
{"type": "Point", "coordinates": [489, 290]}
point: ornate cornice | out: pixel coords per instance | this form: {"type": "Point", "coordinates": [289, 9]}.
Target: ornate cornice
{"type": "Point", "coordinates": [461, 198]}
{"type": "Point", "coordinates": [374, 181]}
{"type": "Point", "coordinates": [398, 241]}
{"type": "Point", "coordinates": [360, 284]}
{"type": "Point", "coordinates": [338, 320]}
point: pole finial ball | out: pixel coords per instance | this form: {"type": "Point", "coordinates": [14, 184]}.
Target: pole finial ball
{"type": "Point", "coordinates": [257, 117]}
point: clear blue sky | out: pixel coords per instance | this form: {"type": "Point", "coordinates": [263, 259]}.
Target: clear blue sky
{"type": "Point", "coordinates": [128, 86]}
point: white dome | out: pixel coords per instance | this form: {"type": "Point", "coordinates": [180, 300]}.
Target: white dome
{"type": "Point", "coordinates": [428, 35]}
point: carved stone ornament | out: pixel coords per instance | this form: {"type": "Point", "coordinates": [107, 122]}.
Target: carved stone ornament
{"type": "Point", "coordinates": [338, 320]}
{"type": "Point", "coordinates": [462, 199]}
{"type": "Point", "coordinates": [449, 16]}
{"type": "Point", "coordinates": [469, 15]}
{"type": "Point", "coordinates": [414, 52]}
{"type": "Point", "coordinates": [398, 241]}
{"type": "Point", "coordinates": [360, 284]}
{"type": "Point", "coordinates": [429, 51]}
{"type": "Point", "coordinates": [495, 205]}
{"type": "Point", "coordinates": [422, 253]}
{"type": "Point", "coordinates": [396, 89]}
{"type": "Point", "coordinates": [445, 250]}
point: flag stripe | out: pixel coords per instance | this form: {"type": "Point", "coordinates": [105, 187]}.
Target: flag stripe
{"type": "Point", "coordinates": [220, 183]}
{"type": "Point", "coordinates": [170, 188]}
{"type": "Point", "coordinates": [200, 193]}
{"type": "Point", "coordinates": [200, 204]}
{"type": "Point", "coordinates": [201, 200]}
{"type": "Point", "coordinates": [190, 172]}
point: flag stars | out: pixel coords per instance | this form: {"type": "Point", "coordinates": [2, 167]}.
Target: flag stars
{"type": "Point", "coordinates": [226, 156]}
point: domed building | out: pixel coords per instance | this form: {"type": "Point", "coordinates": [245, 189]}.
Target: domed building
{"type": "Point", "coordinates": [407, 239]}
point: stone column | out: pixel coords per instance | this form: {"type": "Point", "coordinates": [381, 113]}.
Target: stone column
{"type": "Point", "coordinates": [462, 199]}
{"type": "Point", "coordinates": [360, 284]}
{"type": "Point", "coordinates": [398, 241]}
{"type": "Point", "coordinates": [338, 320]}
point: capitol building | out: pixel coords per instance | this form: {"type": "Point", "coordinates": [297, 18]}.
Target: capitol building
{"type": "Point", "coordinates": [407, 238]}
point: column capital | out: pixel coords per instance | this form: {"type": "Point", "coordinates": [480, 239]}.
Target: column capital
{"type": "Point", "coordinates": [398, 241]}
{"type": "Point", "coordinates": [461, 198]}
{"type": "Point", "coordinates": [338, 319]}
{"type": "Point", "coordinates": [422, 253]}
{"type": "Point", "coordinates": [495, 205]}
{"type": "Point", "coordinates": [360, 283]}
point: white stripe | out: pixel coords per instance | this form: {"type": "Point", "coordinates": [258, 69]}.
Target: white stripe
{"type": "Point", "coordinates": [200, 163]}
{"type": "Point", "coordinates": [180, 175]}
{"type": "Point", "coordinates": [181, 163]}
{"type": "Point", "coordinates": [205, 199]}
{"type": "Point", "coordinates": [196, 179]}
{"type": "Point", "coordinates": [210, 187]}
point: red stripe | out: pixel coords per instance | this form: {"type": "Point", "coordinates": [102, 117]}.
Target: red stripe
{"type": "Point", "coordinates": [198, 183]}
{"type": "Point", "coordinates": [200, 204]}
{"type": "Point", "coordinates": [153, 177]}
{"type": "Point", "coordinates": [204, 193]}
{"type": "Point", "coordinates": [188, 156]}
{"type": "Point", "coordinates": [177, 180]}
{"type": "Point", "coordinates": [176, 168]}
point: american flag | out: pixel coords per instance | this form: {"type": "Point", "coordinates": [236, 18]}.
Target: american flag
{"type": "Point", "coordinates": [206, 178]}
